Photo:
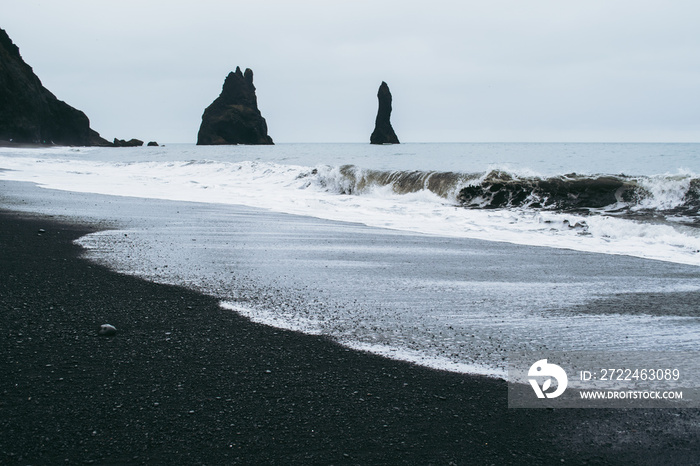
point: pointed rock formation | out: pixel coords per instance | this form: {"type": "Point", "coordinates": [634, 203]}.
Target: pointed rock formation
{"type": "Point", "coordinates": [383, 132]}
{"type": "Point", "coordinates": [30, 113]}
{"type": "Point", "coordinates": [234, 118]}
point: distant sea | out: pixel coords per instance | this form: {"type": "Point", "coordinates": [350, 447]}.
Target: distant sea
{"type": "Point", "coordinates": [626, 201]}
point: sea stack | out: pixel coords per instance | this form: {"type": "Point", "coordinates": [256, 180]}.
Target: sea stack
{"type": "Point", "coordinates": [383, 132]}
{"type": "Point", "coordinates": [234, 118]}
{"type": "Point", "coordinates": [30, 113]}
{"type": "Point", "coordinates": [129, 143]}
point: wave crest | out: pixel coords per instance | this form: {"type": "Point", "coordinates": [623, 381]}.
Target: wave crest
{"type": "Point", "coordinates": [350, 179]}
{"type": "Point", "coordinates": [667, 195]}
{"type": "Point", "coordinates": [500, 189]}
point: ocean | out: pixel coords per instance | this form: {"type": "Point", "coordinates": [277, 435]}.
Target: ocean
{"type": "Point", "coordinates": [448, 255]}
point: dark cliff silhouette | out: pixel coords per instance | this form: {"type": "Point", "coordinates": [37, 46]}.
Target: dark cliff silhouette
{"type": "Point", "coordinates": [234, 118]}
{"type": "Point", "coordinates": [30, 113]}
{"type": "Point", "coordinates": [383, 132]}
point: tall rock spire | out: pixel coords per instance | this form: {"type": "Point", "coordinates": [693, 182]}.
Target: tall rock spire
{"type": "Point", "coordinates": [234, 118]}
{"type": "Point", "coordinates": [383, 132]}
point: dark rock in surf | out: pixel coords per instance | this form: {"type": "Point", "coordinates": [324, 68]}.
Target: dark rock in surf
{"type": "Point", "coordinates": [581, 226]}
{"type": "Point", "coordinates": [234, 117]}
{"type": "Point", "coordinates": [383, 132]}
{"type": "Point", "coordinates": [129, 143]}
{"type": "Point", "coordinates": [30, 113]}
{"type": "Point", "coordinates": [152, 144]}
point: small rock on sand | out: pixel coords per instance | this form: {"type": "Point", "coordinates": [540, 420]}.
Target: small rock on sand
{"type": "Point", "coordinates": [107, 330]}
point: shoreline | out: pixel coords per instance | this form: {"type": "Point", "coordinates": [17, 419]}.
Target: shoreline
{"type": "Point", "coordinates": [654, 226]}
{"type": "Point", "coordinates": [29, 145]}
{"type": "Point", "coordinates": [185, 381]}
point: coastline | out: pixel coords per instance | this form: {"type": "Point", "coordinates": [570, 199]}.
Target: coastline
{"type": "Point", "coordinates": [185, 381]}
{"type": "Point", "coordinates": [25, 145]}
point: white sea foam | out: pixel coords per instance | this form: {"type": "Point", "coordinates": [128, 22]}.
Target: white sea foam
{"type": "Point", "coordinates": [297, 324]}
{"type": "Point", "coordinates": [274, 319]}
{"type": "Point", "coordinates": [668, 191]}
{"type": "Point", "coordinates": [314, 191]}
{"type": "Point", "coordinates": [420, 358]}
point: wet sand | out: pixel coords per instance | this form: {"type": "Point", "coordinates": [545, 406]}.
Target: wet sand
{"type": "Point", "coordinates": [187, 382]}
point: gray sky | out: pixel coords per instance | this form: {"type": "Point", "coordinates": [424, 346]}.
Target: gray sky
{"type": "Point", "coordinates": [459, 71]}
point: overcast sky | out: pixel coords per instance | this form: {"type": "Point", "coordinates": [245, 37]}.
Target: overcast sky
{"type": "Point", "coordinates": [459, 71]}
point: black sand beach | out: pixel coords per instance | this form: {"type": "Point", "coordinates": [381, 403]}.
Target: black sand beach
{"type": "Point", "coordinates": [185, 382]}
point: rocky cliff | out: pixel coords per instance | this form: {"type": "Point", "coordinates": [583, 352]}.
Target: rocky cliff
{"type": "Point", "coordinates": [234, 118]}
{"type": "Point", "coordinates": [383, 132]}
{"type": "Point", "coordinates": [30, 113]}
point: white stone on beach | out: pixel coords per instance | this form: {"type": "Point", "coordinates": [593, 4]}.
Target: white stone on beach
{"type": "Point", "coordinates": [107, 330]}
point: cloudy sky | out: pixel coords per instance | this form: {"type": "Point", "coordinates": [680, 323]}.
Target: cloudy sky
{"type": "Point", "coordinates": [459, 71]}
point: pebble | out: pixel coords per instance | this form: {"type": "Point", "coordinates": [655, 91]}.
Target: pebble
{"type": "Point", "coordinates": [107, 330]}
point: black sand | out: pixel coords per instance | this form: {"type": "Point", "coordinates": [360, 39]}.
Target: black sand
{"type": "Point", "coordinates": [185, 382]}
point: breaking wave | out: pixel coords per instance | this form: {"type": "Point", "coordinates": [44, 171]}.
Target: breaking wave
{"type": "Point", "coordinates": [349, 179]}
{"type": "Point", "coordinates": [650, 216]}
{"type": "Point", "coordinates": [676, 197]}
